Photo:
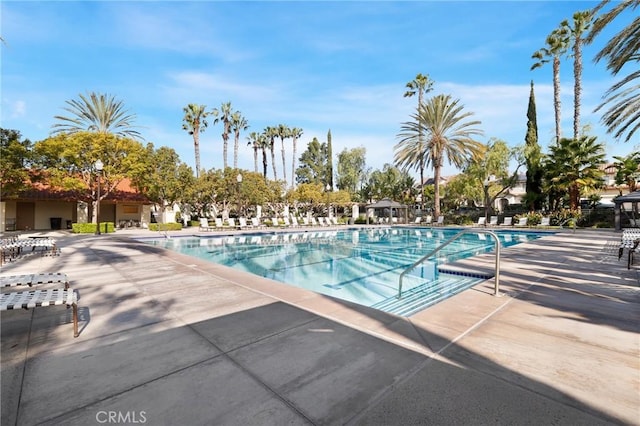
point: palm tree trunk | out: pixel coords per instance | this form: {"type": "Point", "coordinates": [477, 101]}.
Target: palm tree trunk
{"type": "Point", "coordinates": [236, 142]}
{"type": "Point", "coordinates": [273, 161]}
{"type": "Point", "coordinates": [436, 187]}
{"type": "Point", "coordinates": [284, 167]}
{"type": "Point", "coordinates": [255, 159]}
{"type": "Point", "coordinates": [577, 88]}
{"type": "Point", "coordinates": [556, 95]}
{"type": "Point", "coordinates": [293, 164]}
{"type": "Point", "coordinates": [264, 162]}
{"type": "Point", "coordinates": [196, 147]}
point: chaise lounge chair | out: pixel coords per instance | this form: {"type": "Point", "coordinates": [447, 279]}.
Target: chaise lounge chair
{"type": "Point", "coordinates": [493, 221]}
{"type": "Point", "coordinates": [522, 222]}
{"type": "Point", "coordinates": [36, 298]}
{"type": "Point", "coordinates": [508, 221]}
{"type": "Point", "coordinates": [32, 279]}
{"type": "Point", "coordinates": [204, 224]}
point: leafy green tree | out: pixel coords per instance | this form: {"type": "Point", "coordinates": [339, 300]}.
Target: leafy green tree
{"type": "Point", "coordinates": [414, 156]}
{"type": "Point", "coordinates": [533, 156]}
{"type": "Point", "coordinates": [224, 115]}
{"type": "Point", "coordinates": [15, 163]}
{"type": "Point", "coordinates": [164, 179]}
{"type": "Point", "coordinates": [313, 164]}
{"type": "Point", "coordinates": [238, 124]}
{"type": "Point", "coordinates": [490, 172]}
{"type": "Point", "coordinates": [557, 44]}
{"type": "Point", "coordinates": [100, 113]}
{"type": "Point", "coordinates": [623, 98]}
{"type": "Point", "coordinates": [390, 182]}
{"type": "Point", "coordinates": [628, 170]}
{"type": "Point", "coordinates": [351, 169]}
{"type": "Point", "coordinates": [69, 160]}
{"type": "Point", "coordinates": [447, 136]}
{"type": "Point", "coordinates": [195, 122]}
{"type": "Point", "coordinates": [572, 167]}
{"type": "Point", "coordinates": [576, 30]}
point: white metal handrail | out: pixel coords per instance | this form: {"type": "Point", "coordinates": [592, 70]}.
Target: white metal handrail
{"type": "Point", "coordinates": [446, 243]}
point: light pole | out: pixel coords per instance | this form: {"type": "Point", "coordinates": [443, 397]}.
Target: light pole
{"type": "Point", "coordinates": [98, 165]}
{"type": "Point", "coordinates": [239, 180]}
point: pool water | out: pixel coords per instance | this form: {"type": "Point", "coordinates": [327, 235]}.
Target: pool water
{"type": "Point", "coordinates": [357, 265]}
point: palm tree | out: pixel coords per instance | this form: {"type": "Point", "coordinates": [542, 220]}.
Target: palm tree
{"type": "Point", "coordinates": [557, 44]}
{"type": "Point", "coordinates": [238, 124]}
{"type": "Point", "coordinates": [194, 122]}
{"type": "Point", "coordinates": [283, 133]}
{"type": "Point", "coordinates": [447, 135]}
{"type": "Point", "coordinates": [96, 112]}
{"type": "Point", "coordinates": [628, 170]}
{"type": "Point", "coordinates": [296, 134]}
{"type": "Point", "coordinates": [620, 50]}
{"type": "Point", "coordinates": [271, 133]}
{"type": "Point", "coordinates": [420, 85]}
{"type": "Point", "coordinates": [255, 140]}
{"type": "Point", "coordinates": [581, 23]}
{"type": "Point", "coordinates": [573, 165]}
{"type": "Point", "coordinates": [225, 117]}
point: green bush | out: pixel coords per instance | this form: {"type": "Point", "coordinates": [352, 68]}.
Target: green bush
{"type": "Point", "coordinates": [90, 228]}
{"type": "Point", "coordinates": [172, 226]}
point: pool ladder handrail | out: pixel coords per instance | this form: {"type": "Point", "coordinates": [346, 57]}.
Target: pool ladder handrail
{"type": "Point", "coordinates": [449, 241]}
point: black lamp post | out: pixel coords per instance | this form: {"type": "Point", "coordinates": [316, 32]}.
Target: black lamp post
{"type": "Point", "coordinates": [98, 165]}
{"type": "Point", "coordinates": [487, 182]}
{"type": "Point", "coordinates": [239, 180]}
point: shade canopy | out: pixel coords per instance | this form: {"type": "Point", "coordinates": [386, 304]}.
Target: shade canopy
{"type": "Point", "coordinates": [634, 199]}
{"type": "Point", "coordinates": [389, 205]}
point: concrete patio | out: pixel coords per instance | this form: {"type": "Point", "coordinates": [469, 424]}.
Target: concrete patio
{"type": "Point", "coordinates": [166, 339]}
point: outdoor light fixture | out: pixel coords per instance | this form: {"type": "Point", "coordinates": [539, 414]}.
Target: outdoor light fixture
{"type": "Point", "coordinates": [98, 165]}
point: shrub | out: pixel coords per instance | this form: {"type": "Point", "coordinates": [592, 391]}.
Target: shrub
{"type": "Point", "coordinates": [90, 228]}
{"type": "Point", "coordinates": [172, 226]}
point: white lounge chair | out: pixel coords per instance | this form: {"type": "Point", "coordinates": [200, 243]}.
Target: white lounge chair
{"type": "Point", "coordinates": [219, 223]}
{"type": "Point", "coordinates": [545, 222]}
{"type": "Point", "coordinates": [255, 222]}
{"type": "Point", "coordinates": [508, 221]}
{"type": "Point", "coordinates": [204, 224]}
{"type": "Point", "coordinates": [232, 222]}
{"type": "Point", "coordinates": [522, 222]}
{"type": "Point", "coordinates": [440, 221]}
{"type": "Point", "coordinates": [242, 223]}
{"type": "Point", "coordinates": [482, 221]}
{"type": "Point", "coordinates": [32, 279]}
{"type": "Point", "coordinates": [36, 298]}
{"type": "Point", "coordinates": [493, 221]}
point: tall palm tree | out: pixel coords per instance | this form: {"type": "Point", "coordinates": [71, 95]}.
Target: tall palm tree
{"type": "Point", "coordinates": [296, 134]}
{"type": "Point", "coordinates": [556, 46]}
{"type": "Point", "coordinates": [96, 112]}
{"type": "Point", "coordinates": [447, 135]}
{"type": "Point", "coordinates": [576, 31]}
{"type": "Point", "coordinates": [420, 85]}
{"type": "Point", "coordinates": [283, 133]}
{"type": "Point", "coordinates": [195, 122]}
{"type": "Point", "coordinates": [271, 133]}
{"type": "Point", "coordinates": [573, 166]}
{"type": "Point", "coordinates": [255, 141]}
{"type": "Point", "coordinates": [224, 115]}
{"type": "Point", "coordinates": [623, 48]}
{"type": "Point", "coordinates": [238, 124]}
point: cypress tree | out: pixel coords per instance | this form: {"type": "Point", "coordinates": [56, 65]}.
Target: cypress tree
{"type": "Point", "coordinates": [329, 160]}
{"type": "Point", "coordinates": [533, 157]}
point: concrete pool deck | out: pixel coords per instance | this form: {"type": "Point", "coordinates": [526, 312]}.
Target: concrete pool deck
{"type": "Point", "coordinates": [166, 339]}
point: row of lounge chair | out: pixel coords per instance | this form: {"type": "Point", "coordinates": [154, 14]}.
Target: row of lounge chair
{"type": "Point", "coordinates": [255, 223]}
{"type": "Point", "coordinates": [15, 248]}
{"type": "Point", "coordinates": [39, 293]}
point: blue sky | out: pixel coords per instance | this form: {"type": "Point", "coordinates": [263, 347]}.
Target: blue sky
{"type": "Point", "coordinates": [341, 66]}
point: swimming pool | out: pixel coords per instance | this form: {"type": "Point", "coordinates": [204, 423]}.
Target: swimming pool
{"type": "Point", "coordinates": [358, 265]}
